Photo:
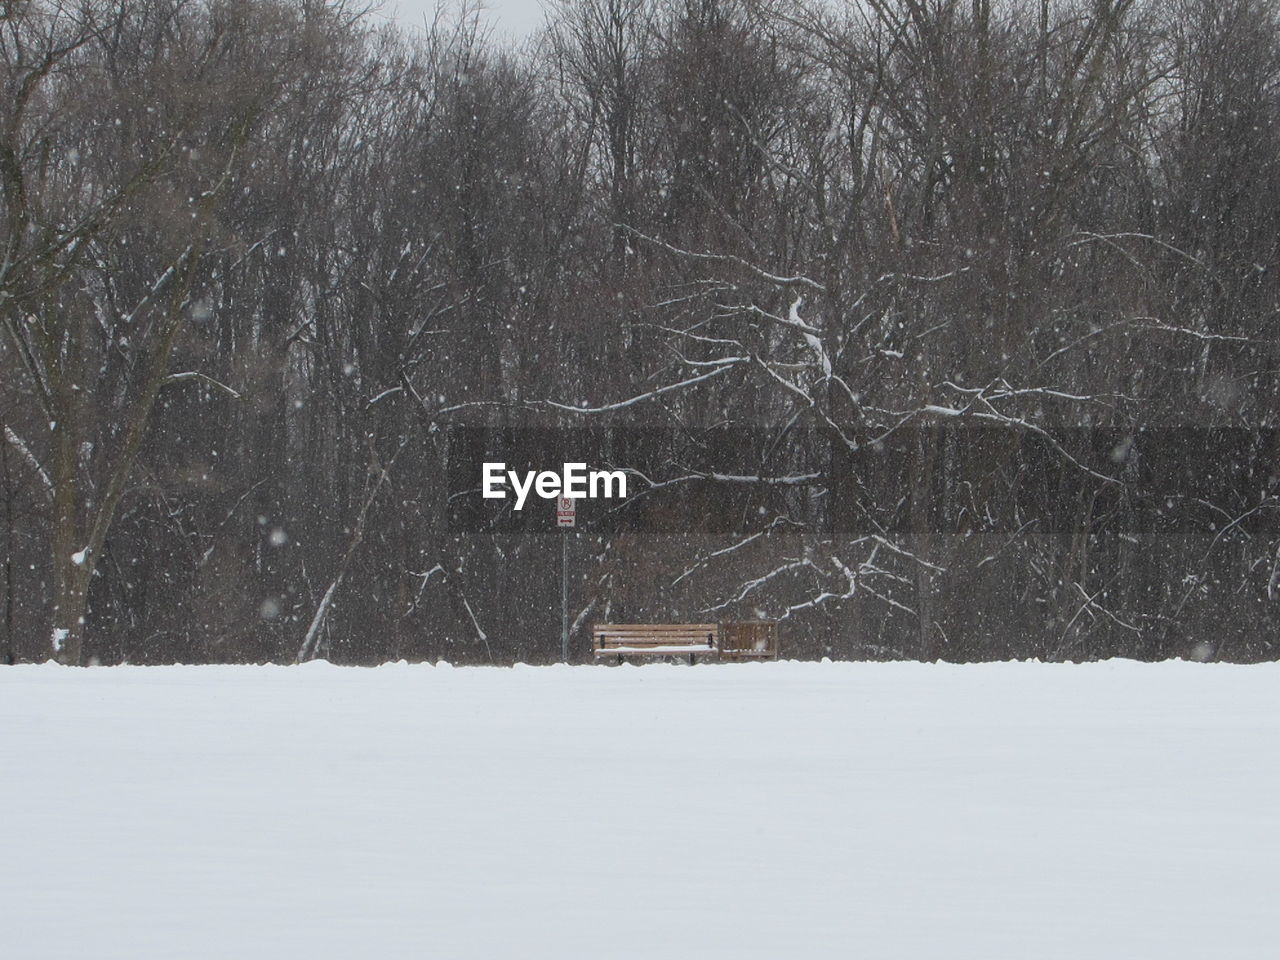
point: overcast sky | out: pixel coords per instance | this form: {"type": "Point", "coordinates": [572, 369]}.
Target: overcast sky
{"type": "Point", "coordinates": [515, 17]}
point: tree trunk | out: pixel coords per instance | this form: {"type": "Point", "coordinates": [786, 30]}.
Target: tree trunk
{"type": "Point", "coordinates": [9, 650]}
{"type": "Point", "coordinates": [922, 501]}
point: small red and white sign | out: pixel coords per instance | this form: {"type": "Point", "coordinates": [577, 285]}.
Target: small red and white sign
{"type": "Point", "coordinates": [566, 511]}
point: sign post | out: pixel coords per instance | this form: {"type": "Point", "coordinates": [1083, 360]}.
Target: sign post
{"type": "Point", "coordinates": [566, 516]}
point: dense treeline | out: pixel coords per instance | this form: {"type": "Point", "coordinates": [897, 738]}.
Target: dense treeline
{"type": "Point", "coordinates": [950, 271]}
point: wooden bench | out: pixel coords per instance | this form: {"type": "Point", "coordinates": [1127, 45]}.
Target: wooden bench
{"type": "Point", "coordinates": [655, 640]}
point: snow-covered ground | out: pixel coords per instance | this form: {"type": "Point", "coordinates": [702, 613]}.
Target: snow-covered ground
{"type": "Point", "coordinates": [1017, 811]}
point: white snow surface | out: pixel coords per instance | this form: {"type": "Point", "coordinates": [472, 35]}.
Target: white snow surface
{"type": "Point", "coordinates": [781, 810]}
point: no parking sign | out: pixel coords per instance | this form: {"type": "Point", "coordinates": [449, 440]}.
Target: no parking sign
{"type": "Point", "coordinates": [566, 511]}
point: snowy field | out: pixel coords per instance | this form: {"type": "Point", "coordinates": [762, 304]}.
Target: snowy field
{"type": "Point", "coordinates": [1018, 811]}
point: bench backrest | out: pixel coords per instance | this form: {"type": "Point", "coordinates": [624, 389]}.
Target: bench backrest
{"type": "Point", "coordinates": [612, 635]}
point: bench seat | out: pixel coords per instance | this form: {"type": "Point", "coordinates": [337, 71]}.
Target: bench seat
{"type": "Point", "coordinates": [746, 640]}
{"type": "Point", "coordinates": [655, 639]}
{"type": "Point", "coordinates": [655, 650]}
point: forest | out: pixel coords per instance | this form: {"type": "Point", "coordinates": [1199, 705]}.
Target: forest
{"type": "Point", "coordinates": [931, 329]}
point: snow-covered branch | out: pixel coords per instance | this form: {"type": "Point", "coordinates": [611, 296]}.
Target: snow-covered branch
{"type": "Point", "coordinates": [725, 258]}
{"type": "Point", "coordinates": [193, 375]}
{"type": "Point", "coordinates": [622, 404]}
{"type": "Point", "coordinates": [25, 453]}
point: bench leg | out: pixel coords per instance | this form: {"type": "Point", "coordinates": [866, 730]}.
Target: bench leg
{"type": "Point", "coordinates": [691, 659]}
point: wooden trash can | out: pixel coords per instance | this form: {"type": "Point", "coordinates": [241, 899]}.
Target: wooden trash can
{"type": "Point", "coordinates": [749, 640]}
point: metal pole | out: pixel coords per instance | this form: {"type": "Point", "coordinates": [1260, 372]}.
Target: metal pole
{"type": "Point", "coordinates": [564, 596]}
